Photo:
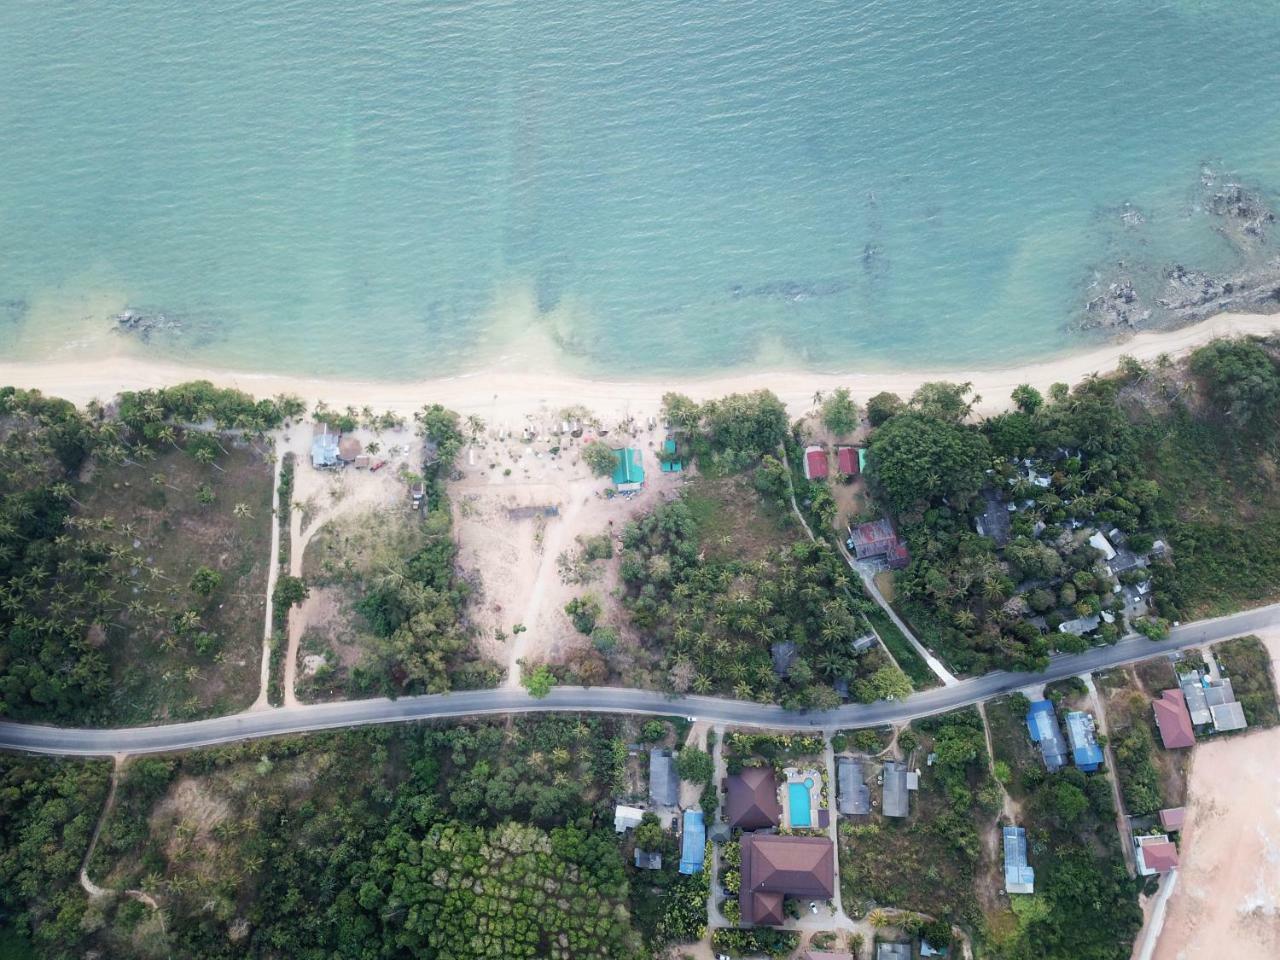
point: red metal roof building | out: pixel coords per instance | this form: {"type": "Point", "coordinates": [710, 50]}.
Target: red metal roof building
{"type": "Point", "coordinates": [775, 867]}
{"type": "Point", "coordinates": [1172, 818]}
{"type": "Point", "coordinates": [815, 463]}
{"type": "Point", "coordinates": [877, 539]}
{"type": "Point", "coordinates": [1174, 721]}
{"type": "Point", "coordinates": [751, 799]}
{"type": "Point", "coordinates": [1156, 854]}
{"type": "Point", "coordinates": [847, 461]}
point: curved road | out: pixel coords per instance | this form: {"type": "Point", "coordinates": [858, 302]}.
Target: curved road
{"type": "Point", "coordinates": [325, 716]}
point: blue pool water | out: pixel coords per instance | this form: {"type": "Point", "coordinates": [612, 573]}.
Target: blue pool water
{"type": "Point", "coordinates": [391, 189]}
{"type": "Point", "coordinates": [801, 814]}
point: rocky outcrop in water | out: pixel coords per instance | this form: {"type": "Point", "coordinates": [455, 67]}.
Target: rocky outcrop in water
{"type": "Point", "coordinates": [1117, 306]}
{"type": "Point", "coordinates": [1243, 215]}
{"type": "Point", "coordinates": [144, 325]}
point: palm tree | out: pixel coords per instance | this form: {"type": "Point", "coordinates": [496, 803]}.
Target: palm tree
{"type": "Point", "coordinates": [242, 511]}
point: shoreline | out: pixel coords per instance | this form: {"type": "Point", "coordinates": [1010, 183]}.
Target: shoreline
{"type": "Point", "coordinates": [505, 390]}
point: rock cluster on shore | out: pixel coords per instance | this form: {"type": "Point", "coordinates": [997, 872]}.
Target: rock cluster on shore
{"type": "Point", "coordinates": [142, 324]}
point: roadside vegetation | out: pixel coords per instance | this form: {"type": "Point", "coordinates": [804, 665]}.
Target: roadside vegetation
{"type": "Point", "coordinates": [1248, 663]}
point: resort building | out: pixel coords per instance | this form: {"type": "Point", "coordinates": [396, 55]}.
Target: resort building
{"type": "Point", "coordinates": [1155, 854]}
{"type": "Point", "coordinates": [1018, 876]}
{"type": "Point", "coordinates": [751, 799]}
{"type": "Point", "coordinates": [628, 471]}
{"type": "Point", "coordinates": [1173, 720]}
{"type": "Point", "coordinates": [853, 796]}
{"type": "Point", "coordinates": [816, 466]}
{"type": "Point", "coordinates": [776, 867]}
{"type": "Point", "coordinates": [693, 842]}
{"type": "Point", "coordinates": [1042, 724]}
{"type": "Point", "coordinates": [664, 783]}
{"type": "Point", "coordinates": [1084, 741]}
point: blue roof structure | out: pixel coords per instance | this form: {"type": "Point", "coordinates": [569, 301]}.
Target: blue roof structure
{"type": "Point", "coordinates": [1084, 743]}
{"type": "Point", "coordinates": [324, 450]}
{"type": "Point", "coordinates": [693, 844]}
{"type": "Point", "coordinates": [1042, 724]}
{"type": "Point", "coordinates": [1018, 877]}
{"type": "Point", "coordinates": [628, 472]}
{"type": "Point", "coordinates": [671, 466]}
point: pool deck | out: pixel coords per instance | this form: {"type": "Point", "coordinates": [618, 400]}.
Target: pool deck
{"type": "Point", "coordinates": [796, 777]}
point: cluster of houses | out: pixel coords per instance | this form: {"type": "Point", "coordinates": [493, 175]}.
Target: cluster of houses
{"type": "Point", "coordinates": [1198, 704]}
{"type": "Point", "coordinates": [850, 462]}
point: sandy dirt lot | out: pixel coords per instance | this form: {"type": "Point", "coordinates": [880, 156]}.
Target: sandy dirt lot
{"type": "Point", "coordinates": [517, 507]}
{"type": "Point", "coordinates": [1227, 897]}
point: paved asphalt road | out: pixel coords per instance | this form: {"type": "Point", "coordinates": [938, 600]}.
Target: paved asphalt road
{"type": "Point", "coordinates": [267, 723]}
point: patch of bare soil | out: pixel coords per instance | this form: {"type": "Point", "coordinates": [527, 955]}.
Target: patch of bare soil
{"type": "Point", "coordinates": [188, 813]}
{"type": "Point", "coordinates": [1227, 900]}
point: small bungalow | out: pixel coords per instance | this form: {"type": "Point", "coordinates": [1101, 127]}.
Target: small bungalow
{"type": "Point", "coordinates": [628, 471]}
{"type": "Point", "coordinates": [324, 449]}
{"type": "Point", "coordinates": [1081, 625]}
{"type": "Point", "coordinates": [1155, 854]}
{"type": "Point", "coordinates": [865, 642]}
{"type": "Point", "coordinates": [1173, 721]}
{"type": "Point", "coordinates": [1018, 876]}
{"type": "Point", "coordinates": [1042, 724]}
{"type": "Point", "coordinates": [815, 463]}
{"type": "Point", "coordinates": [1084, 741]}
{"type": "Point", "coordinates": [626, 818]}
{"type": "Point", "coordinates": [847, 462]}
{"type": "Point", "coordinates": [693, 842]}
{"type": "Point", "coordinates": [664, 783]}
{"type": "Point", "coordinates": [783, 655]}
{"type": "Point", "coordinates": [648, 861]}
{"type": "Point", "coordinates": [751, 799]}
{"type": "Point", "coordinates": [854, 796]}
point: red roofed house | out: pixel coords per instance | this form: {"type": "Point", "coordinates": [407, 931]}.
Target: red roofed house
{"type": "Point", "coordinates": [1155, 855]}
{"type": "Point", "coordinates": [815, 463]}
{"type": "Point", "coordinates": [775, 867]}
{"type": "Point", "coordinates": [1174, 720]}
{"type": "Point", "coordinates": [847, 461]}
{"type": "Point", "coordinates": [1172, 818]}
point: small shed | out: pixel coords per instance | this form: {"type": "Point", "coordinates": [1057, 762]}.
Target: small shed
{"type": "Point", "coordinates": [693, 842]}
{"type": "Point", "coordinates": [847, 462]}
{"type": "Point", "coordinates": [669, 462]}
{"type": "Point", "coordinates": [1172, 818]}
{"type": "Point", "coordinates": [626, 818]}
{"type": "Point", "coordinates": [646, 860]}
{"type": "Point", "coordinates": [664, 784]}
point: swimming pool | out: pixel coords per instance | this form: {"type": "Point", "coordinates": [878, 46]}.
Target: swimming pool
{"type": "Point", "coordinates": [798, 794]}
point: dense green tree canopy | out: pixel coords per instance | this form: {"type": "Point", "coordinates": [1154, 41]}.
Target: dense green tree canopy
{"type": "Point", "coordinates": [916, 460]}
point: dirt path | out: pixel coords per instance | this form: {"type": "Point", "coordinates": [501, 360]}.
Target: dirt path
{"type": "Point", "coordinates": [1122, 819]}
{"type": "Point", "coordinates": [273, 569]}
{"type": "Point", "coordinates": [1010, 809]}
{"type": "Point", "coordinates": [91, 888]}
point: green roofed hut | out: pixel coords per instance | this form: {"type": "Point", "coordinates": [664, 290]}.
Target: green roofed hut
{"type": "Point", "coordinates": [628, 473]}
{"type": "Point", "coordinates": [670, 462]}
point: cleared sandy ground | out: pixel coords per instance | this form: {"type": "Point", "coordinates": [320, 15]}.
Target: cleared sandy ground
{"type": "Point", "coordinates": [1227, 899]}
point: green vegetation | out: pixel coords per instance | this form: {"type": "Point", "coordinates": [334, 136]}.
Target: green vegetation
{"type": "Point", "coordinates": [1133, 744]}
{"type": "Point", "coordinates": [599, 456]}
{"type": "Point", "coordinates": [900, 647]}
{"type": "Point", "coordinates": [199, 402]}
{"type": "Point", "coordinates": [840, 413]}
{"type": "Point", "coordinates": [1248, 663]}
{"type": "Point", "coordinates": [731, 433]}
{"type": "Point", "coordinates": [750, 943]}
{"type": "Point", "coordinates": [717, 619]}
{"type": "Point", "coordinates": [538, 681]}
{"type": "Point", "coordinates": [695, 765]}
{"type": "Point", "coordinates": [104, 525]}
{"type": "Point", "coordinates": [47, 813]}
{"type": "Point", "coordinates": [928, 862]}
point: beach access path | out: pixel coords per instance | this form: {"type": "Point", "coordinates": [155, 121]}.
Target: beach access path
{"type": "Point", "coordinates": [65, 741]}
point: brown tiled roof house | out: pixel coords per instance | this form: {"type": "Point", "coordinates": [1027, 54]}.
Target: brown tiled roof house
{"type": "Point", "coordinates": [1174, 721]}
{"type": "Point", "coordinates": [775, 867]}
{"type": "Point", "coordinates": [751, 799]}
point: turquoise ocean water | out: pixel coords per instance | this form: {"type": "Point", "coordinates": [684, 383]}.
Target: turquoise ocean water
{"type": "Point", "coordinates": [394, 188]}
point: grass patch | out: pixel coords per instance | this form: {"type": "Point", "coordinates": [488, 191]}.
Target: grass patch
{"type": "Point", "coordinates": [1247, 662]}
{"type": "Point", "coordinates": [14, 946]}
{"type": "Point", "coordinates": [912, 664]}
{"type": "Point", "coordinates": [1011, 744]}
{"type": "Point", "coordinates": [733, 521]}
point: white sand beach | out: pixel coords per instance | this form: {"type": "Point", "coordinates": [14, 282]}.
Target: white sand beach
{"type": "Point", "coordinates": [510, 390]}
